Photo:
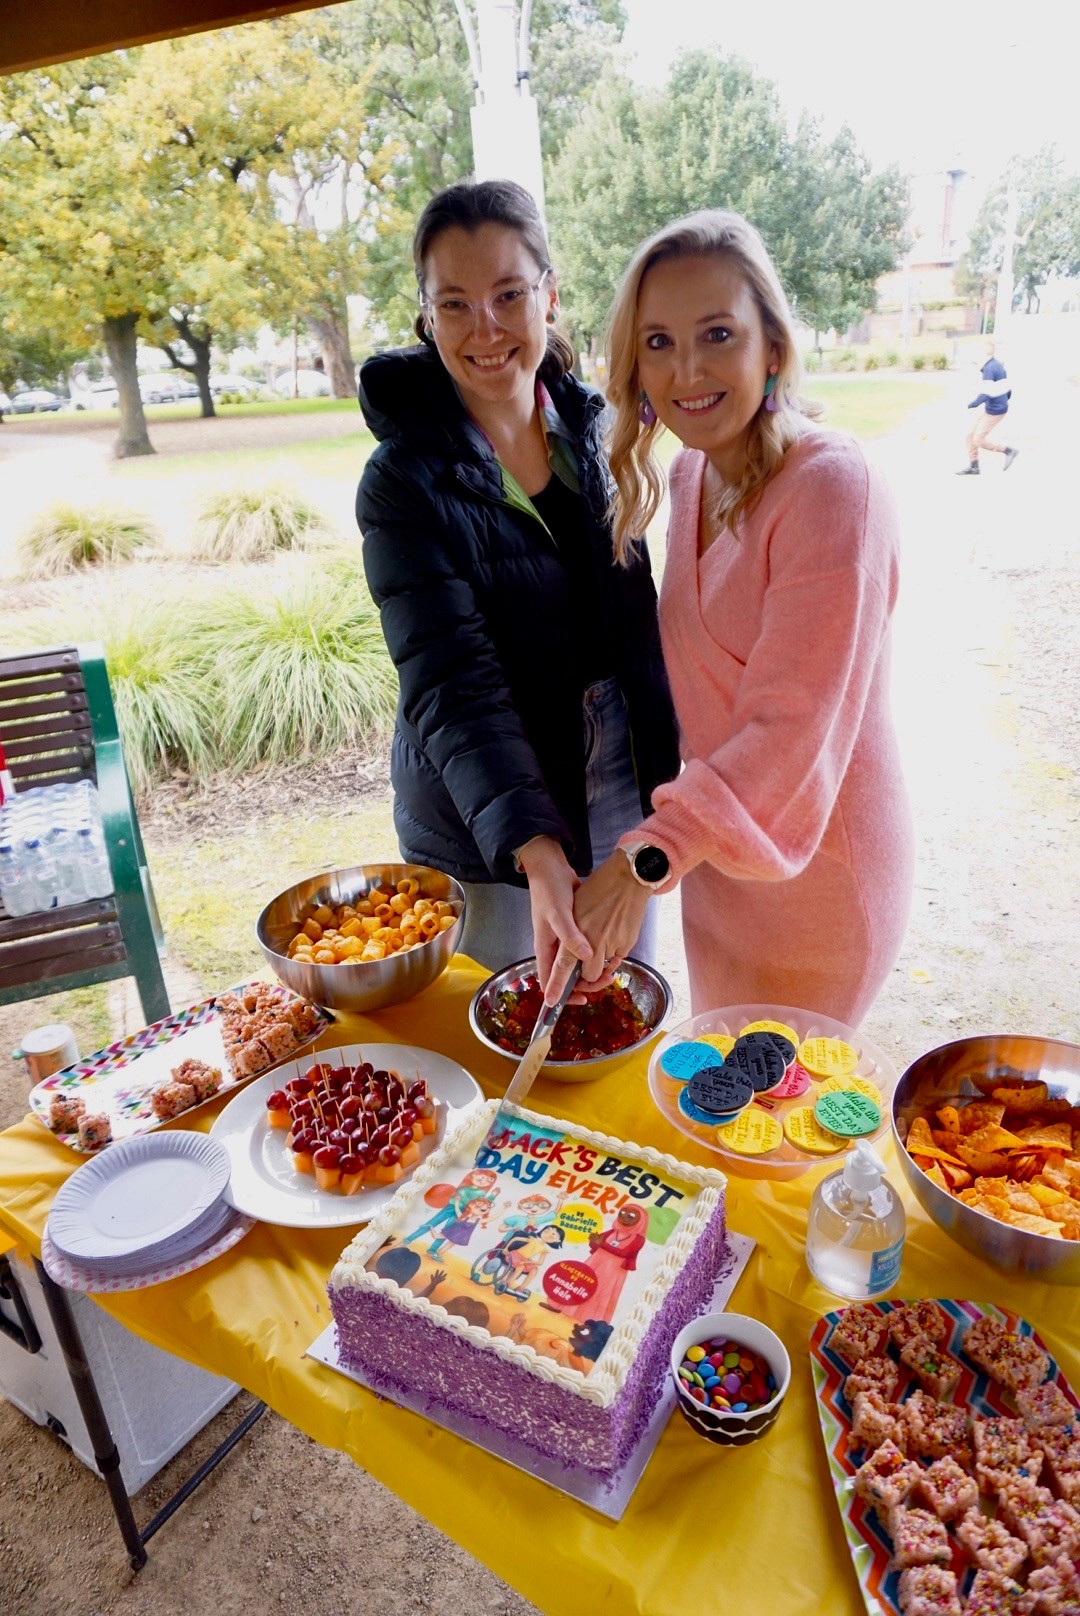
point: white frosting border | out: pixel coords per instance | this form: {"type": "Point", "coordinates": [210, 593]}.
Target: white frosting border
{"type": "Point", "coordinates": [603, 1384]}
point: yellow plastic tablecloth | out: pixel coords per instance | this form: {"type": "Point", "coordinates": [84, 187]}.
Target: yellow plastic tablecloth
{"type": "Point", "coordinates": [708, 1529]}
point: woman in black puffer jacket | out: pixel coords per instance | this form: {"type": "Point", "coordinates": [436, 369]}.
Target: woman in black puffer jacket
{"type": "Point", "coordinates": [534, 718]}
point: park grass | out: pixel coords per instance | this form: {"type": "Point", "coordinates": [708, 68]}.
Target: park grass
{"type": "Point", "coordinates": [332, 457]}
{"type": "Point", "coordinates": [210, 892]}
{"type": "Point", "coordinates": [189, 409]}
{"type": "Point", "coordinates": [871, 408]}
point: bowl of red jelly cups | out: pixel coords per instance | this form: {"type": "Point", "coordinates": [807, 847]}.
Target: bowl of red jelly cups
{"type": "Point", "coordinates": [731, 1375]}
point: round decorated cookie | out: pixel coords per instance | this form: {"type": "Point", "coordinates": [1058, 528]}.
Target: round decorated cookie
{"type": "Point", "coordinates": [720, 1091]}
{"type": "Point", "coordinates": [780, 1027]}
{"type": "Point", "coordinates": [844, 1085]}
{"type": "Point", "coordinates": [753, 1133]}
{"type": "Point", "coordinates": [722, 1041]}
{"type": "Point", "coordinates": [682, 1060]}
{"type": "Point", "coordinates": [796, 1082]}
{"type": "Point", "coordinates": [847, 1113]}
{"type": "Point", "coordinates": [804, 1131]}
{"type": "Point", "coordinates": [758, 1057]}
{"type": "Point", "coordinates": [828, 1057]}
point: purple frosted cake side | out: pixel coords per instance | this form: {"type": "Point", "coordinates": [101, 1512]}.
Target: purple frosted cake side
{"type": "Point", "coordinates": [398, 1350]}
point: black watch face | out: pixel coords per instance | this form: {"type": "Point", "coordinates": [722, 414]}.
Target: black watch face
{"type": "Point", "coordinates": [651, 864]}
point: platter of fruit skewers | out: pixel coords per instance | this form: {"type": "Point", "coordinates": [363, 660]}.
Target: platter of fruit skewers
{"type": "Point", "coordinates": [325, 1141]}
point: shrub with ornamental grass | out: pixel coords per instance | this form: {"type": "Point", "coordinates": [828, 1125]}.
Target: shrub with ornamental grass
{"type": "Point", "coordinates": [254, 524]}
{"type": "Point", "coordinates": [299, 670]}
{"type": "Point", "coordinates": [65, 538]}
{"type": "Point", "coordinates": [164, 699]}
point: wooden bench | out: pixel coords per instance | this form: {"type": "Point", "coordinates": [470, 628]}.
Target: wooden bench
{"type": "Point", "coordinates": [58, 722]}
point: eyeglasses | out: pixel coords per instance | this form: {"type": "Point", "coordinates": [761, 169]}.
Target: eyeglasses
{"type": "Point", "coordinates": [512, 309]}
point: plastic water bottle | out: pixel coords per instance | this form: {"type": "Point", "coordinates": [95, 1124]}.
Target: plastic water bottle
{"type": "Point", "coordinates": [42, 871]}
{"type": "Point", "coordinates": [93, 863]}
{"type": "Point", "coordinates": [57, 843]}
{"type": "Point", "coordinates": [64, 848]}
{"type": "Point", "coordinates": [17, 886]}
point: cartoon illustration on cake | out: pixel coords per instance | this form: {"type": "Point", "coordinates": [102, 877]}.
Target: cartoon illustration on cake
{"type": "Point", "coordinates": [558, 1332]}
{"type": "Point", "coordinates": [452, 1203]}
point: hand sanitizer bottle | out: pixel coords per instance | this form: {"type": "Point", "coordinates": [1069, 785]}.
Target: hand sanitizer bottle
{"type": "Point", "coordinates": [855, 1231]}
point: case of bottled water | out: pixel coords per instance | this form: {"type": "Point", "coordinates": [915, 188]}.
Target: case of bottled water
{"type": "Point", "coordinates": [52, 848]}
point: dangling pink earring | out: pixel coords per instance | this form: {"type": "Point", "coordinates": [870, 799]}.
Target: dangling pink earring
{"type": "Point", "coordinates": [772, 403]}
{"type": "Point", "coordinates": [646, 413]}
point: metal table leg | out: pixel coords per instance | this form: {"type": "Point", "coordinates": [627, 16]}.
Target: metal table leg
{"type": "Point", "coordinates": [105, 1453]}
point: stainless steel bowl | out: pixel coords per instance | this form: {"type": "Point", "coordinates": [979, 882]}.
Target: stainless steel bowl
{"type": "Point", "coordinates": [647, 987]}
{"type": "Point", "coordinates": [969, 1068]}
{"type": "Point", "coordinates": [367, 984]}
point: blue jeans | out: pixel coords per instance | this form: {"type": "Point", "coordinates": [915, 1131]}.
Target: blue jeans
{"type": "Point", "coordinates": [498, 921]}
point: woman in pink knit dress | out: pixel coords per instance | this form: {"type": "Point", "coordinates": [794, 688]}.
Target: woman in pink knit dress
{"type": "Point", "coordinates": [789, 826]}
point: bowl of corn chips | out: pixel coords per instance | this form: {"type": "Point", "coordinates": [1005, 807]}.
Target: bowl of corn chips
{"type": "Point", "coordinates": [363, 938]}
{"type": "Point", "coordinates": [988, 1131]}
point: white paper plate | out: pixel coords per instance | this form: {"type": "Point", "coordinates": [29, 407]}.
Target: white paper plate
{"type": "Point", "coordinates": [265, 1184]}
{"type": "Point", "coordinates": [176, 1249]}
{"type": "Point", "coordinates": [75, 1277]}
{"type": "Point", "coordinates": [138, 1195]}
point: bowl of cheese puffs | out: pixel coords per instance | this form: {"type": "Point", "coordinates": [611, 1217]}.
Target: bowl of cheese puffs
{"type": "Point", "coordinates": [989, 1137]}
{"type": "Point", "coordinates": [363, 938]}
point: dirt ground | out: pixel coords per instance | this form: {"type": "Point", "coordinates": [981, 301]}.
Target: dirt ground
{"type": "Point", "coordinates": [987, 647]}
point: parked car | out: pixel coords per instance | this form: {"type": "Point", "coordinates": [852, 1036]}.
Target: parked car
{"type": "Point", "coordinates": [35, 399]}
{"type": "Point", "coordinates": [309, 384]}
{"type": "Point", "coordinates": [167, 389]}
{"type": "Point", "coordinates": [231, 383]}
{"type": "Point", "coordinates": [5, 404]}
{"type": "Point", "coordinates": [98, 396]}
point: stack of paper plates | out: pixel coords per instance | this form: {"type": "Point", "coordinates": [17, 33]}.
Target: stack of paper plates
{"type": "Point", "coordinates": [145, 1203]}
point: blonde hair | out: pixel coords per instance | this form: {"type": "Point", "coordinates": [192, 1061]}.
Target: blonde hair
{"type": "Point", "coordinates": [638, 479]}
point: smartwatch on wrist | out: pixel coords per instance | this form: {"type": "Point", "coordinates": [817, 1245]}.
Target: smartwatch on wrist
{"type": "Point", "coordinates": [649, 865]}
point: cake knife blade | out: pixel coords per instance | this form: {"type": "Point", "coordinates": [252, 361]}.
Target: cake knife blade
{"type": "Point", "coordinates": [539, 1045]}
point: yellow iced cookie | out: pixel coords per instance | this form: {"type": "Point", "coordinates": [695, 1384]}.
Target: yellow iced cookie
{"type": "Point", "coordinates": [773, 1026]}
{"type": "Point", "coordinates": [719, 1040]}
{"type": "Point", "coordinates": [861, 1085]}
{"type": "Point", "coordinates": [806, 1133]}
{"type": "Point", "coordinates": [827, 1057]}
{"type": "Point", "coordinates": [751, 1134]}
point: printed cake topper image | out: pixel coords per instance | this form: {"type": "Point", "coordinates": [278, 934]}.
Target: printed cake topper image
{"type": "Point", "coordinates": [539, 1238]}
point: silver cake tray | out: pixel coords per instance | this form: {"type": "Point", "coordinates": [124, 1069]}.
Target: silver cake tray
{"type": "Point", "coordinates": [608, 1498]}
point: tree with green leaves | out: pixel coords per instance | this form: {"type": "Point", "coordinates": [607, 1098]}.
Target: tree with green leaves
{"type": "Point", "coordinates": [716, 136]}
{"type": "Point", "coordinates": [421, 94]}
{"type": "Point", "coordinates": [79, 235]}
{"type": "Point", "coordinates": [1047, 229]}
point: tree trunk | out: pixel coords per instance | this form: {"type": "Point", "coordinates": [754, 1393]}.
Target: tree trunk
{"type": "Point", "coordinates": [331, 330]}
{"type": "Point", "coordinates": [119, 334]}
{"type": "Point", "coordinates": [200, 364]}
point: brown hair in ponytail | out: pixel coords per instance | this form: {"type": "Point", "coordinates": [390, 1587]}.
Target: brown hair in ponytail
{"type": "Point", "coordinates": [469, 205]}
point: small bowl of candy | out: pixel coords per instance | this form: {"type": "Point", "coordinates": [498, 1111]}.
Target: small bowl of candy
{"type": "Point", "coordinates": [588, 1038]}
{"type": "Point", "coordinates": [731, 1375]}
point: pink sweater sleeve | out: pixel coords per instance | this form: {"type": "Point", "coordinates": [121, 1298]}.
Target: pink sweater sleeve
{"type": "Point", "coordinates": [757, 808]}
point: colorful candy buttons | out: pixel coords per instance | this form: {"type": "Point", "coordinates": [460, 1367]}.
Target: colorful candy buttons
{"type": "Point", "coordinates": [753, 1133]}
{"type": "Point", "coordinates": [723, 1374]}
{"type": "Point", "coordinates": [720, 1091]}
{"type": "Point", "coordinates": [803, 1130]}
{"type": "Point", "coordinates": [682, 1060]}
{"type": "Point", "coordinates": [847, 1113]}
{"type": "Point", "coordinates": [828, 1057]}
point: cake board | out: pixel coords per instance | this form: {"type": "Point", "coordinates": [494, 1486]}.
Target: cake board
{"type": "Point", "coordinates": [607, 1498]}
